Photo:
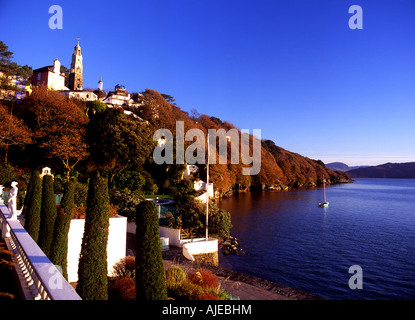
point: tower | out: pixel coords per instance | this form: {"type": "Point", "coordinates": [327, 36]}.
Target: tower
{"type": "Point", "coordinates": [100, 84]}
{"type": "Point", "coordinates": [75, 74]}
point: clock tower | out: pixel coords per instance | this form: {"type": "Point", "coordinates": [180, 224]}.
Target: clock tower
{"type": "Point", "coordinates": [75, 73]}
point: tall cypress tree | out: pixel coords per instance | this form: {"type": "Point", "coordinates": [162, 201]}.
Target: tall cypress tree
{"type": "Point", "coordinates": [48, 215]}
{"type": "Point", "coordinates": [59, 250]}
{"type": "Point", "coordinates": [93, 267]}
{"type": "Point", "coordinates": [150, 281]}
{"type": "Point", "coordinates": [32, 206]}
{"type": "Point", "coordinates": [29, 192]}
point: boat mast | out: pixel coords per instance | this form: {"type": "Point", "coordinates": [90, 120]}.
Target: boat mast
{"type": "Point", "coordinates": [324, 188]}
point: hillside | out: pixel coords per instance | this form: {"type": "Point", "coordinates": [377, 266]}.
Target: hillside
{"type": "Point", "coordinates": [121, 143]}
{"type": "Point", "coordinates": [302, 171]}
{"type": "Point", "coordinates": [387, 170]}
{"type": "Point", "coordinates": [340, 166]}
{"type": "Point", "coordinates": [279, 168]}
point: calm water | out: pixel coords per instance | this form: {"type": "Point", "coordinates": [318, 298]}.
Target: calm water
{"type": "Point", "coordinates": [292, 241]}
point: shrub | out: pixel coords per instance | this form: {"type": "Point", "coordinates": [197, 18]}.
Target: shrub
{"type": "Point", "coordinates": [80, 193]}
{"type": "Point", "coordinates": [113, 211]}
{"type": "Point", "coordinates": [7, 173]}
{"type": "Point", "coordinates": [208, 296]}
{"type": "Point", "coordinates": [59, 250]}
{"type": "Point", "coordinates": [48, 215]}
{"type": "Point", "coordinates": [125, 268]}
{"type": "Point", "coordinates": [8, 288]}
{"type": "Point", "coordinates": [79, 212]}
{"type": "Point", "coordinates": [204, 278]}
{"type": "Point", "coordinates": [150, 279]}
{"type": "Point", "coordinates": [92, 268]}
{"type": "Point", "coordinates": [175, 276]}
{"type": "Point", "coordinates": [122, 289]}
{"type": "Point", "coordinates": [224, 295]}
{"type": "Point", "coordinates": [32, 206]}
{"type": "Point", "coordinates": [187, 290]}
{"type": "Point", "coordinates": [6, 296]}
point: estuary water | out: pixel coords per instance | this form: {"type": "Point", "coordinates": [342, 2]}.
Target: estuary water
{"type": "Point", "coordinates": [292, 241]}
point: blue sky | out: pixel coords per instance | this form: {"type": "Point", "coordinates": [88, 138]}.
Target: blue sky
{"type": "Point", "coordinates": [293, 69]}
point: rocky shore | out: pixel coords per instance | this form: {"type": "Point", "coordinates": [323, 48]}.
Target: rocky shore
{"type": "Point", "coordinates": [229, 245]}
{"type": "Point", "coordinates": [241, 285]}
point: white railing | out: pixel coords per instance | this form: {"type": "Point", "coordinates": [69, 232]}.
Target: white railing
{"type": "Point", "coordinates": [39, 277]}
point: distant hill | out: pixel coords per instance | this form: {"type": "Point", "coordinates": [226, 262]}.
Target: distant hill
{"type": "Point", "coordinates": [340, 166]}
{"type": "Point", "coordinates": [301, 171]}
{"type": "Point", "coordinates": [387, 170]}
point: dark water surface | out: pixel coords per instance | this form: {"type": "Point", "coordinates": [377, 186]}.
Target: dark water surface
{"type": "Point", "coordinates": [292, 241]}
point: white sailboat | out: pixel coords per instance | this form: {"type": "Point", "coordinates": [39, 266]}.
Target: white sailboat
{"type": "Point", "coordinates": [325, 203]}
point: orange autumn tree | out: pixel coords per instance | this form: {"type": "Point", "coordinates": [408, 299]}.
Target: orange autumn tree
{"type": "Point", "coordinates": [13, 131]}
{"type": "Point", "coordinates": [58, 124]}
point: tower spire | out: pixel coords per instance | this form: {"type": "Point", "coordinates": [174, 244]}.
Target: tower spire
{"type": "Point", "coordinates": [75, 76]}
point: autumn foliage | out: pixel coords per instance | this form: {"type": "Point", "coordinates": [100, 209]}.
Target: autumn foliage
{"type": "Point", "coordinates": [279, 167]}
{"type": "Point", "coordinates": [58, 125]}
{"type": "Point", "coordinates": [49, 126]}
{"type": "Point", "coordinates": [13, 131]}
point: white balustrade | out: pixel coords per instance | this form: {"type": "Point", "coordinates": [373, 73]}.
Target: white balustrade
{"type": "Point", "coordinates": [39, 277]}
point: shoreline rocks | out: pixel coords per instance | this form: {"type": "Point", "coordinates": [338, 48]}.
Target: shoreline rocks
{"type": "Point", "coordinates": [230, 245]}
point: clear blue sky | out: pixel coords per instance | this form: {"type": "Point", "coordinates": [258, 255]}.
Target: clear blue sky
{"type": "Point", "coordinates": [293, 68]}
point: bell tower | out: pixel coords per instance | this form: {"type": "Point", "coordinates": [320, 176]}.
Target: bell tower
{"type": "Point", "coordinates": [75, 73]}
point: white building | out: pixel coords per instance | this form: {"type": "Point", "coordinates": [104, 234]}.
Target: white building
{"type": "Point", "coordinates": [119, 97]}
{"type": "Point", "coordinates": [80, 94]}
{"type": "Point", "coordinates": [50, 76]}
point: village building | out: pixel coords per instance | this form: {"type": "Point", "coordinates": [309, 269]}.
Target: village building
{"type": "Point", "coordinates": [76, 72]}
{"type": "Point", "coordinates": [54, 79]}
{"type": "Point", "coordinates": [50, 76]}
{"type": "Point", "coordinates": [100, 93]}
{"type": "Point", "coordinates": [119, 97]}
{"type": "Point", "coordinates": [16, 87]}
{"type": "Point", "coordinates": [80, 94]}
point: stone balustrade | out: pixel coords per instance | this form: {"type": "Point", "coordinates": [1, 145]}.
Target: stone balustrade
{"type": "Point", "coordinates": [39, 278]}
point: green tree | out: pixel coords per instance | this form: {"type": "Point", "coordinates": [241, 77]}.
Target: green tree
{"type": "Point", "coordinates": [150, 281]}
{"type": "Point", "coordinates": [118, 142]}
{"type": "Point", "coordinates": [95, 106]}
{"type": "Point", "coordinates": [59, 250]}
{"type": "Point", "coordinates": [126, 202]}
{"type": "Point", "coordinates": [66, 72]}
{"type": "Point", "coordinates": [48, 215]}
{"type": "Point", "coordinates": [192, 218]}
{"type": "Point", "coordinates": [32, 205]}
{"type": "Point", "coordinates": [10, 68]}
{"type": "Point", "coordinates": [92, 269]}
{"type": "Point", "coordinates": [5, 58]}
{"type": "Point", "coordinates": [219, 222]}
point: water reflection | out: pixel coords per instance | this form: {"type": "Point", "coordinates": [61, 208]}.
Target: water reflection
{"type": "Point", "coordinates": [294, 242]}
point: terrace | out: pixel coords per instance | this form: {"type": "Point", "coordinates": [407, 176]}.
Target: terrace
{"type": "Point", "coordinates": [38, 277]}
